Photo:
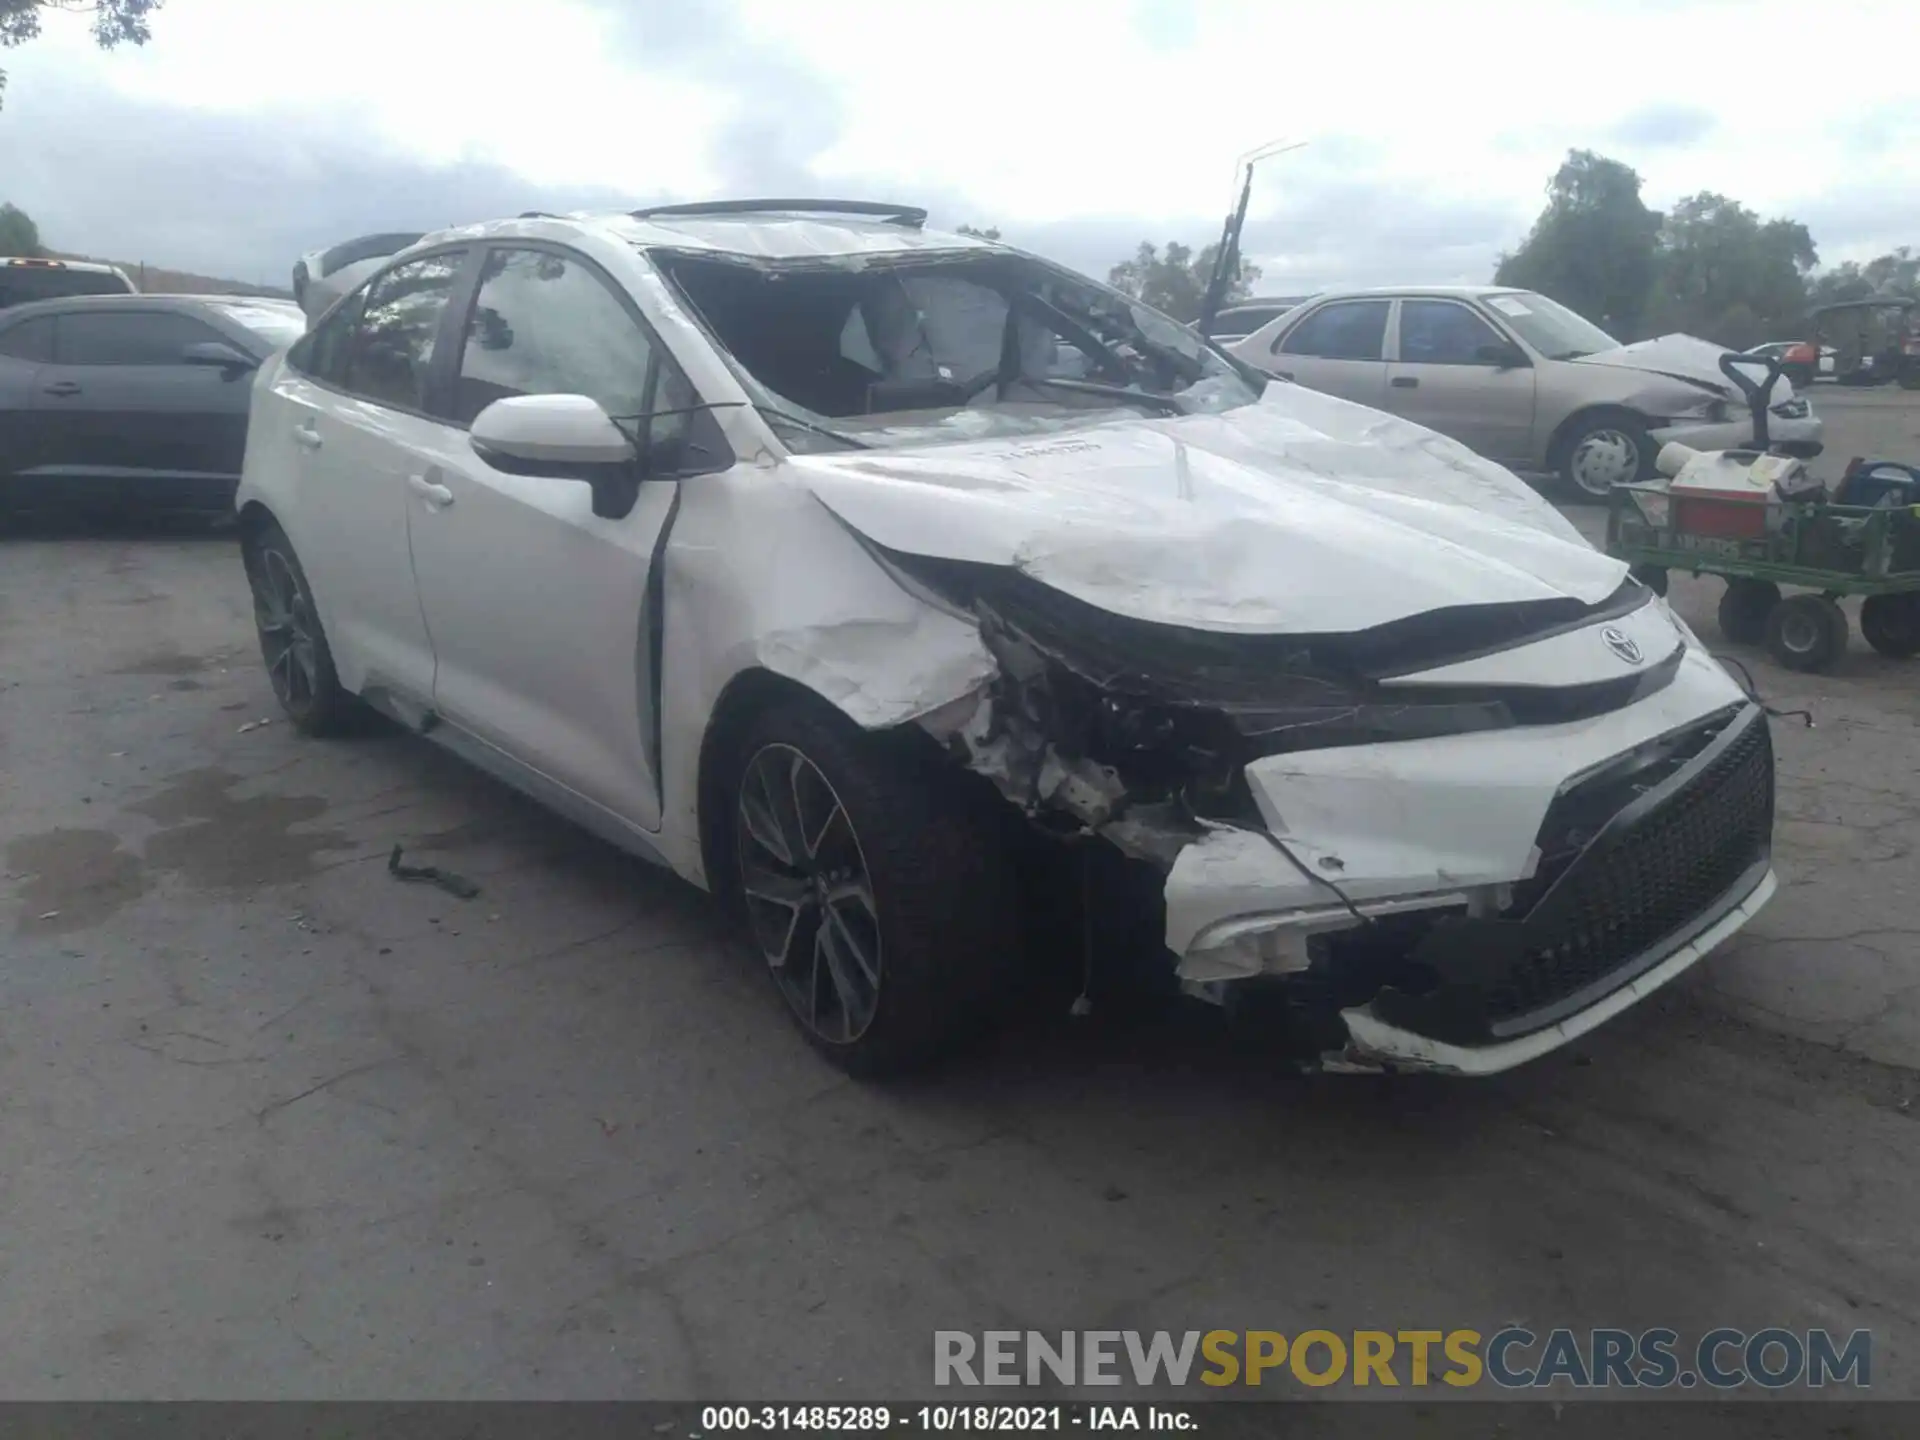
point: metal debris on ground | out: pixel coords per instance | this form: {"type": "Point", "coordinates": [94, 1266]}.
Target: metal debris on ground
{"type": "Point", "coordinates": [432, 875]}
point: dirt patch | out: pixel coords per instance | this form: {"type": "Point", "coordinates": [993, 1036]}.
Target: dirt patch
{"type": "Point", "coordinates": [163, 663]}
{"type": "Point", "coordinates": [74, 879]}
{"type": "Point", "coordinates": [217, 840]}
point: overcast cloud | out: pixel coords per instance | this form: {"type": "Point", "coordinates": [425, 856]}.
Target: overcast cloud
{"type": "Point", "coordinates": [248, 132]}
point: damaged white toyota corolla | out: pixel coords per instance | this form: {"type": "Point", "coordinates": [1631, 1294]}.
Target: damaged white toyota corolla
{"type": "Point", "coordinates": [857, 573]}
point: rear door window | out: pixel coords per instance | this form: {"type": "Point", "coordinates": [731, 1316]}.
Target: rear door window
{"type": "Point", "coordinates": [30, 340]}
{"type": "Point", "coordinates": [1344, 330]}
{"type": "Point", "coordinates": [101, 337]}
{"type": "Point", "coordinates": [390, 352]}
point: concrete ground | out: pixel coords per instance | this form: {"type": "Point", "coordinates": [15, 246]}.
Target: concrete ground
{"type": "Point", "coordinates": [276, 1125]}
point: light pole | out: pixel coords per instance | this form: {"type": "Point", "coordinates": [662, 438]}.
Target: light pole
{"type": "Point", "coordinates": [1226, 257]}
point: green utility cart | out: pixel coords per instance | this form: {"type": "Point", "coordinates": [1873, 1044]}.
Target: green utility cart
{"type": "Point", "coordinates": [1862, 538]}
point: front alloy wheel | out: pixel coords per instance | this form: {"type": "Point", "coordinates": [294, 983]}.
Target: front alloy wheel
{"type": "Point", "coordinates": [808, 894]}
{"type": "Point", "coordinates": [875, 881]}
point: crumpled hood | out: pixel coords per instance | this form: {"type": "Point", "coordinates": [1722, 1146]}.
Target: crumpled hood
{"type": "Point", "coordinates": [1298, 514]}
{"type": "Point", "coordinates": [1683, 357]}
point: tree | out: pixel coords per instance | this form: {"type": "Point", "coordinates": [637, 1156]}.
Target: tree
{"type": "Point", "coordinates": [115, 22]}
{"type": "Point", "coordinates": [18, 234]}
{"type": "Point", "coordinates": [1895, 273]}
{"type": "Point", "coordinates": [1175, 281]}
{"type": "Point", "coordinates": [992, 232]}
{"type": "Point", "coordinates": [1729, 276]}
{"type": "Point", "coordinates": [1594, 248]}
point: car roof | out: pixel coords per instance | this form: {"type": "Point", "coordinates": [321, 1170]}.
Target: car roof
{"type": "Point", "coordinates": [54, 262]}
{"type": "Point", "coordinates": [1437, 292]}
{"type": "Point", "coordinates": [139, 302]}
{"type": "Point", "coordinates": [782, 231]}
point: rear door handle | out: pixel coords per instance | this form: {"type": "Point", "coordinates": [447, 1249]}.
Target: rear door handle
{"type": "Point", "coordinates": [306, 437]}
{"type": "Point", "coordinates": [1405, 382]}
{"type": "Point", "coordinates": [64, 387]}
{"type": "Point", "coordinates": [436, 495]}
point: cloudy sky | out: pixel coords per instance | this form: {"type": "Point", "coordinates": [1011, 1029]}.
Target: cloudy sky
{"type": "Point", "coordinates": [251, 130]}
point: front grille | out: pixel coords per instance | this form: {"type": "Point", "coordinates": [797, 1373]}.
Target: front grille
{"type": "Point", "coordinates": [1645, 880]}
{"type": "Point", "coordinates": [1636, 859]}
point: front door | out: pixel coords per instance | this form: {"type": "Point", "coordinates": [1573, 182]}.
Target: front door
{"type": "Point", "coordinates": [1455, 374]}
{"type": "Point", "coordinates": [1337, 348]}
{"type": "Point", "coordinates": [125, 421]}
{"type": "Point", "coordinates": [537, 606]}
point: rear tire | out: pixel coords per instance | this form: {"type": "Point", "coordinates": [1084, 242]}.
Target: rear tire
{"type": "Point", "coordinates": [1807, 633]}
{"type": "Point", "coordinates": [293, 644]}
{"type": "Point", "coordinates": [875, 885]}
{"type": "Point", "coordinates": [1744, 610]}
{"type": "Point", "coordinates": [1606, 450]}
{"type": "Point", "coordinates": [1891, 624]}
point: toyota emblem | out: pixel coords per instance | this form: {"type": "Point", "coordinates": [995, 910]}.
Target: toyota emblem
{"type": "Point", "coordinates": [1621, 644]}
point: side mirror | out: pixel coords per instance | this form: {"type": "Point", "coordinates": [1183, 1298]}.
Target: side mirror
{"type": "Point", "coordinates": [565, 437]}
{"type": "Point", "coordinates": [1501, 356]}
{"type": "Point", "coordinates": [218, 355]}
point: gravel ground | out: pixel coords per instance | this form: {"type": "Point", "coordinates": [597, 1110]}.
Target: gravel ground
{"type": "Point", "coordinates": [277, 1126]}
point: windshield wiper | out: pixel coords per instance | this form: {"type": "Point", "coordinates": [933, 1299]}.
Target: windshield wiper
{"type": "Point", "coordinates": [1166, 404]}
{"type": "Point", "coordinates": [800, 422]}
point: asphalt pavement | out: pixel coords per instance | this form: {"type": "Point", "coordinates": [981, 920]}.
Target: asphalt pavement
{"type": "Point", "coordinates": [277, 1125]}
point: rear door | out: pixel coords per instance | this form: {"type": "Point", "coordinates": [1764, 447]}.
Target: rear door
{"type": "Point", "coordinates": [1338, 348]}
{"type": "Point", "coordinates": [124, 421]}
{"type": "Point", "coordinates": [346, 419]}
{"type": "Point", "coordinates": [1454, 373]}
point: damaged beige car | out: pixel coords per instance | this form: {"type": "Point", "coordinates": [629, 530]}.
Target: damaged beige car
{"type": "Point", "coordinates": [896, 586]}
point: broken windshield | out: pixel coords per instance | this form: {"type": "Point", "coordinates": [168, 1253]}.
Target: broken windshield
{"type": "Point", "coordinates": [948, 347]}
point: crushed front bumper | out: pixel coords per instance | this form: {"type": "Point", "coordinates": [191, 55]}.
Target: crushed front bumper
{"type": "Point", "coordinates": [1469, 904]}
{"type": "Point", "coordinates": [1803, 435]}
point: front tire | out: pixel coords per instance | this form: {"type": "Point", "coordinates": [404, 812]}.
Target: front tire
{"type": "Point", "coordinates": [875, 885]}
{"type": "Point", "coordinates": [1605, 451]}
{"type": "Point", "coordinates": [1807, 632]}
{"type": "Point", "coordinates": [293, 643]}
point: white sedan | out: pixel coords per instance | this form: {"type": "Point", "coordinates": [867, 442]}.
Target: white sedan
{"type": "Point", "coordinates": [789, 551]}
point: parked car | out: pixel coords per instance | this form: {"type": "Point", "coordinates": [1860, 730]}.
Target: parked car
{"type": "Point", "coordinates": [24, 279]}
{"type": "Point", "coordinates": [1236, 322]}
{"type": "Point", "coordinates": [1521, 379]}
{"type": "Point", "coordinates": [1801, 361]}
{"type": "Point", "coordinates": [321, 277]}
{"type": "Point", "coordinates": [118, 403]}
{"type": "Point", "coordinates": [764, 540]}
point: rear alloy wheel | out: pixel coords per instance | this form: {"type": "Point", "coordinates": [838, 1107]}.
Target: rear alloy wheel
{"type": "Point", "coordinates": [292, 643]}
{"type": "Point", "coordinates": [1807, 632]}
{"type": "Point", "coordinates": [875, 886]}
{"type": "Point", "coordinates": [1744, 610]}
{"type": "Point", "coordinates": [1891, 624]}
{"type": "Point", "coordinates": [1604, 452]}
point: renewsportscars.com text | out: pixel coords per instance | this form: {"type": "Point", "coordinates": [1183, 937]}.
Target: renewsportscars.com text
{"type": "Point", "coordinates": [1513, 1358]}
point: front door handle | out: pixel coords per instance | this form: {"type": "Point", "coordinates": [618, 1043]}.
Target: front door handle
{"type": "Point", "coordinates": [306, 437]}
{"type": "Point", "coordinates": [64, 387]}
{"type": "Point", "coordinates": [436, 495]}
{"type": "Point", "coordinates": [1405, 382]}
